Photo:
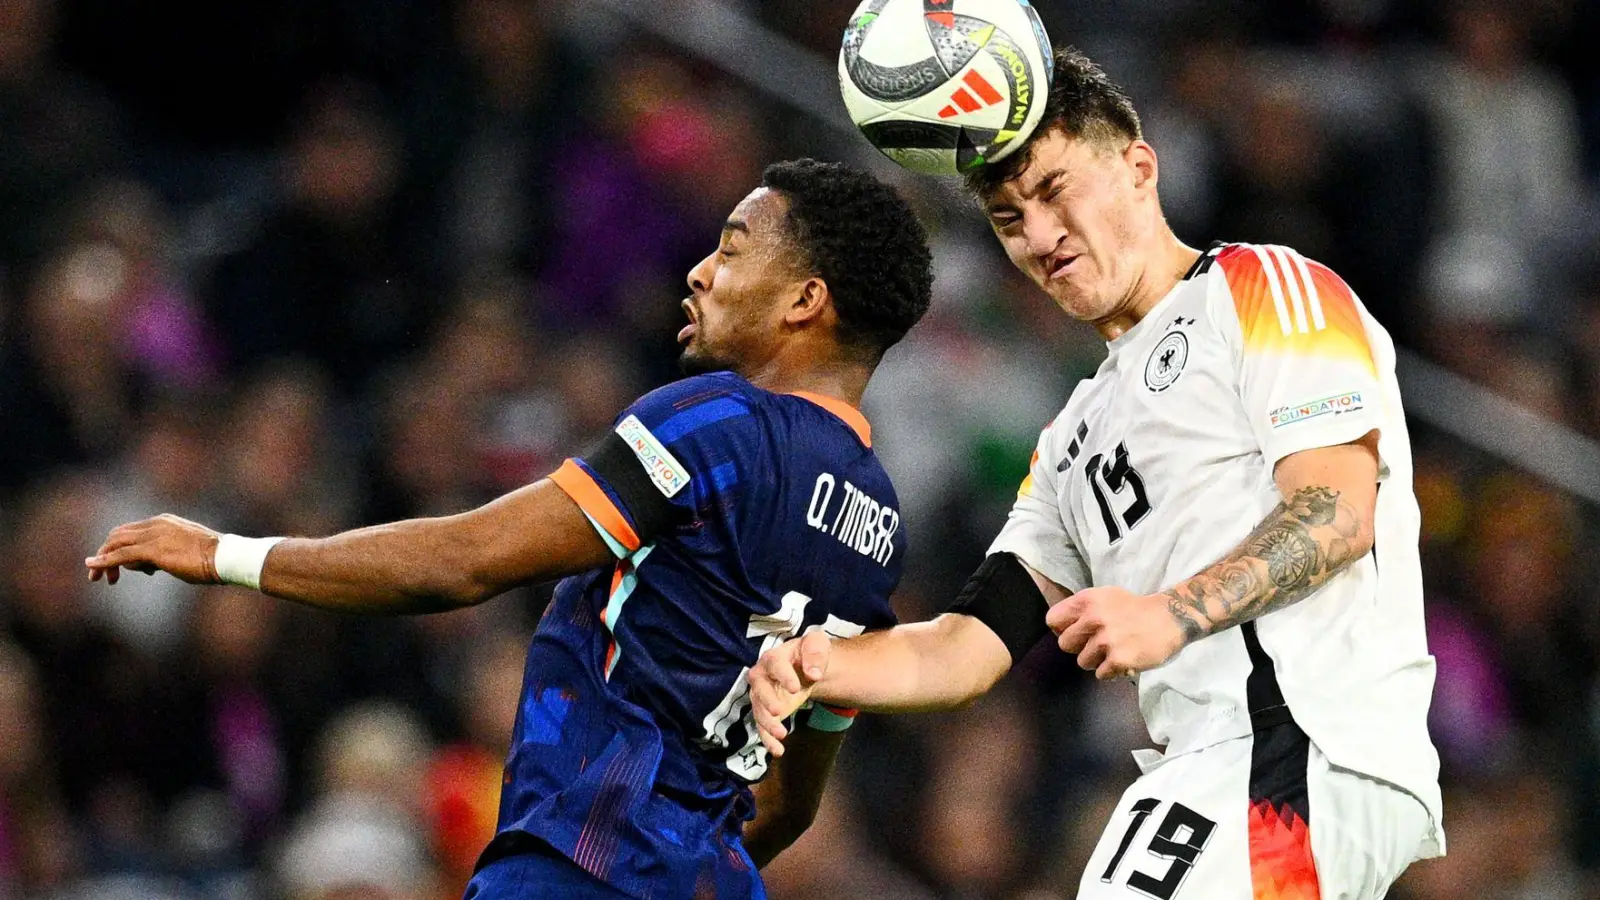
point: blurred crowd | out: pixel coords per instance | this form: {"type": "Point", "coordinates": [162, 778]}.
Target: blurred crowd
{"type": "Point", "coordinates": [292, 266]}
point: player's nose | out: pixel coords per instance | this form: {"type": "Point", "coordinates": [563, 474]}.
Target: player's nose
{"type": "Point", "coordinates": [1042, 234]}
{"type": "Point", "coordinates": [700, 276]}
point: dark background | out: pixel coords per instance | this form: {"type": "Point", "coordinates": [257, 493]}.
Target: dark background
{"type": "Point", "coordinates": [290, 267]}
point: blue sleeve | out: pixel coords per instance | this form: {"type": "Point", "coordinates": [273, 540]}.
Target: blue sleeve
{"type": "Point", "coordinates": [674, 452]}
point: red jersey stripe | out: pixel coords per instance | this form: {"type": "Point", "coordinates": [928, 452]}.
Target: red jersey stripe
{"type": "Point", "coordinates": [1281, 864]}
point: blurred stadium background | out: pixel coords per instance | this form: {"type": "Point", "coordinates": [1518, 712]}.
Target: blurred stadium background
{"type": "Point", "coordinates": [289, 266]}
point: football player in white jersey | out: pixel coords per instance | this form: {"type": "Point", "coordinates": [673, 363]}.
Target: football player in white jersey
{"type": "Point", "coordinates": [1223, 512]}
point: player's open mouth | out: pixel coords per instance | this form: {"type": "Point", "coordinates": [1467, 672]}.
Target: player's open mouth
{"type": "Point", "coordinates": [686, 334]}
{"type": "Point", "coordinates": [1057, 266]}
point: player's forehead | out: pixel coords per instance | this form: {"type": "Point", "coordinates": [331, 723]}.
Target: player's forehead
{"type": "Point", "coordinates": [1056, 158]}
{"type": "Point", "coordinates": [762, 216]}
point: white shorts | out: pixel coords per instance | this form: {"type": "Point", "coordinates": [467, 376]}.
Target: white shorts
{"type": "Point", "coordinates": [1262, 817]}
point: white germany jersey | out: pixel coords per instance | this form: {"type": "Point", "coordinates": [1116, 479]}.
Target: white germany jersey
{"type": "Point", "coordinates": [1163, 462]}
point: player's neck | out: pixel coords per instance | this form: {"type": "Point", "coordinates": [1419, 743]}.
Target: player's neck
{"type": "Point", "coordinates": [841, 381]}
{"type": "Point", "coordinates": [1169, 262]}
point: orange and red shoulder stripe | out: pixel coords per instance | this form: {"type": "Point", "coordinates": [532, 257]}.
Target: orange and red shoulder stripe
{"type": "Point", "coordinates": [1289, 304]}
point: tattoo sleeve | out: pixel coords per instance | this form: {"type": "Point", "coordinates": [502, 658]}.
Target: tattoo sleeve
{"type": "Point", "coordinates": [1310, 537]}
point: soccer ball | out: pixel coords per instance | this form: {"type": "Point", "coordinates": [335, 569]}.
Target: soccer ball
{"type": "Point", "coordinates": [945, 86]}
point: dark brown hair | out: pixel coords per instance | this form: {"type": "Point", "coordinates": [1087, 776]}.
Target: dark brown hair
{"type": "Point", "coordinates": [863, 239]}
{"type": "Point", "coordinates": [1083, 103]}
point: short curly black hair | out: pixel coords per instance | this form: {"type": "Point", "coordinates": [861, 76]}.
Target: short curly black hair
{"type": "Point", "coordinates": [861, 237]}
{"type": "Point", "coordinates": [1084, 103]}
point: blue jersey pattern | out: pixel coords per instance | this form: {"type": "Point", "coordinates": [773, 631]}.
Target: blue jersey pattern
{"type": "Point", "coordinates": [634, 747]}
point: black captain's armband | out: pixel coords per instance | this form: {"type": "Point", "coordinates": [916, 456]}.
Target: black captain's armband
{"type": "Point", "coordinates": [1003, 596]}
{"type": "Point", "coordinates": [616, 463]}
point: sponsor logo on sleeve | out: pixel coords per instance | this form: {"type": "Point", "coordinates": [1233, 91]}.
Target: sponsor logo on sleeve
{"type": "Point", "coordinates": [669, 476]}
{"type": "Point", "coordinates": [1336, 405]}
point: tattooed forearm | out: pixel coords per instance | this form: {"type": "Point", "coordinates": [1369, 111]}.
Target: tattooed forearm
{"type": "Point", "coordinates": [1310, 536]}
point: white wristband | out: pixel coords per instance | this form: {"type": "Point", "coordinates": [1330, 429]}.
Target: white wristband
{"type": "Point", "coordinates": [239, 559]}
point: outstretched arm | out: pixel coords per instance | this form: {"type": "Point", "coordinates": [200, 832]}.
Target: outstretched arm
{"type": "Point", "coordinates": [417, 566]}
{"type": "Point", "coordinates": [1324, 524]}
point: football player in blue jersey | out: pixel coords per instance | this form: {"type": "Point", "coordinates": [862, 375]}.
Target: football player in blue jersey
{"type": "Point", "coordinates": [725, 513]}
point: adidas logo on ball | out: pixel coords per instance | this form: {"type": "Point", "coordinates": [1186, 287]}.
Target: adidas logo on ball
{"type": "Point", "coordinates": [945, 86]}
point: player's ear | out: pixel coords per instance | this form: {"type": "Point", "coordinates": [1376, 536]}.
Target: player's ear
{"type": "Point", "coordinates": [813, 299]}
{"type": "Point", "coordinates": [1141, 160]}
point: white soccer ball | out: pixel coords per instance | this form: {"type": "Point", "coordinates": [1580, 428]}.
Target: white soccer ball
{"type": "Point", "coordinates": [945, 86]}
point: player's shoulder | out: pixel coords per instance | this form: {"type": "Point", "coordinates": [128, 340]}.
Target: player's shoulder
{"type": "Point", "coordinates": [696, 390]}
{"type": "Point", "coordinates": [826, 423]}
{"type": "Point", "coordinates": [1276, 288]}
{"type": "Point", "coordinates": [1245, 260]}
{"type": "Point", "coordinates": [687, 405]}
{"type": "Point", "coordinates": [1252, 270]}
{"type": "Point", "coordinates": [796, 421]}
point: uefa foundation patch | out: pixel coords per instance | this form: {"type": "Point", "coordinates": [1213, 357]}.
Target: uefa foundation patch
{"type": "Point", "coordinates": [1336, 405]}
{"type": "Point", "coordinates": [664, 469]}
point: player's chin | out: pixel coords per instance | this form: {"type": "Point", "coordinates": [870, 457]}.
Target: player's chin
{"type": "Point", "coordinates": [1076, 303]}
{"type": "Point", "coordinates": [696, 361]}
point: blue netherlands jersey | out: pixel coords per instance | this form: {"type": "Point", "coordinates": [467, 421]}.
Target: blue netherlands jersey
{"type": "Point", "coordinates": [739, 518]}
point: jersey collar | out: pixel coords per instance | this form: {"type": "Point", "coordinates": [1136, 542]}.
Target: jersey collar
{"type": "Point", "coordinates": [1130, 336]}
{"type": "Point", "coordinates": [846, 413]}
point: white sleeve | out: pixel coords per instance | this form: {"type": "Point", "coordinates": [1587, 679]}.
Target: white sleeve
{"type": "Point", "coordinates": [1306, 368]}
{"type": "Point", "coordinates": [1035, 531]}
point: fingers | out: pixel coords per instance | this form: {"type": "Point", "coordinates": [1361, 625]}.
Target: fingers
{"type": "Point", "coordinates": [772, 683]}
{"type": "Point", "coordinates": [773, 744]}
{"type": "Point", "coordinates": [121, 551]}
{"type": "Point", "coordinates": [1061, 616]}
{"type": "Point", "coordinates": [785, 670]}
{"type": "Point", "coordinates": [767, 705]}
{"type": "Point", "coordinates": [778, 668]}
{"type": "Point", "coordinates": [120, 537]}
{"type": "Point", "coordinates": [1094, 654]}
{"type": "Point", "coordinates": [120, 556]}
{"type": "Point", "coordinates": [781, 681]}
{"type": "Point", "coordinates": [815, 651]}
{"type": "Point", "coordinates": [1077, 635]}
{"type": "Point", "coordinates": [769, 725]}
{"type": "Point", "coordinates": [1109, 670]}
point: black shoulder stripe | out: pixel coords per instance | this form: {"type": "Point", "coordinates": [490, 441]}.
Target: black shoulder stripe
{"type": "Point", "coordinates": [615, 462]}
{"type": "Point", "coordinates": [1203, 264]}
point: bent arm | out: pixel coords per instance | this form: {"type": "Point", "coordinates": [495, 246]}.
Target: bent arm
{"type": "Point", "coordinates": [1324, 524]}
{"type": "Point", "coordinates": [787, 799]}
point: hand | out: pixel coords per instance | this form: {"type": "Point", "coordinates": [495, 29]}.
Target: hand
{"type": "Point", "coordinates": [188, 550]}
{"type": "Point", "coordinates": [1116, 632]}
{"type": "Point", "coordinates": [781, 682]}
